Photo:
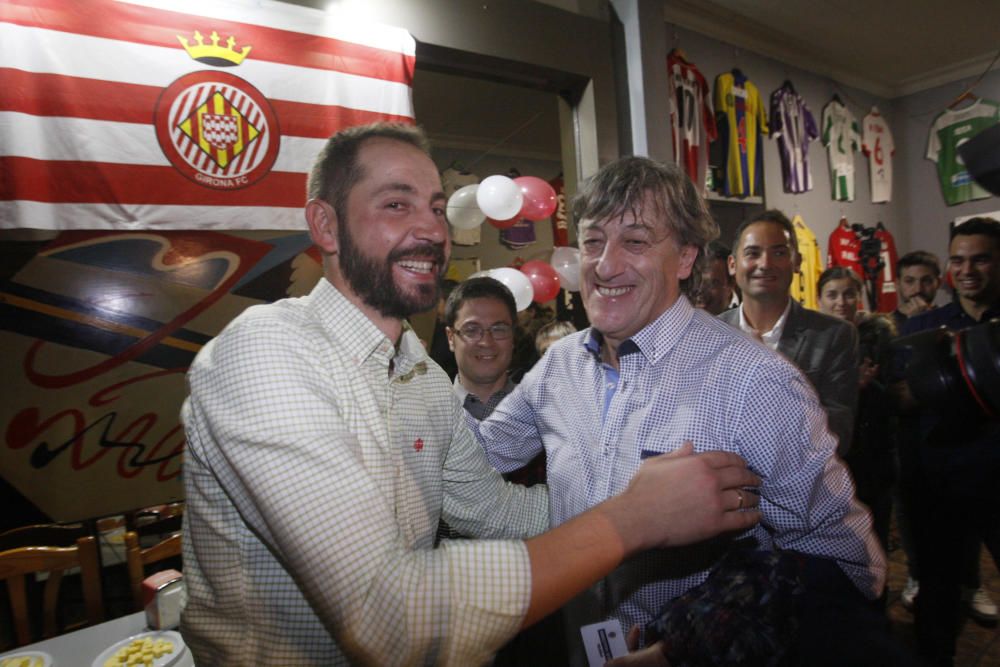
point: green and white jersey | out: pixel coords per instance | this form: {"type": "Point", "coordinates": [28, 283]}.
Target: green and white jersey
{"type": "Point", "coordinates": [951, 129]}
{"type": "Point", "coordinates": [841, 138]}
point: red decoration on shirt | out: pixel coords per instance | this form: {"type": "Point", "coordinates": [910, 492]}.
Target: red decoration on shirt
{"type": "Point", "coordinates": [418, 444]}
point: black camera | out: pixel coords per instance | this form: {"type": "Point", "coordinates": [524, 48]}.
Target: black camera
{"type": "Point", "coordinates": [955, 371]}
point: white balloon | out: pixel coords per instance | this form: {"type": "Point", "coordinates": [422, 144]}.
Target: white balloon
{"type": "Point", "coordinates": [566, 262]}
{"type": "Point", "coordinates": [480, 274]}
{"type": "Point", "coordinates": [499, 197]}
{"type": "Point", "coordinates": [463, 211]}
{"type": "Point", "coordinates": [517, 283]}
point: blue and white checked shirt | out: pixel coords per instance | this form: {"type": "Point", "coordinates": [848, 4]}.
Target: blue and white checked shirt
{"type": "Point", "coordinates": [686, 376]}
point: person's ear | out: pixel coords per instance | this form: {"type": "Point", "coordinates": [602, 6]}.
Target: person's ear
{"type": "Point", "coordinates": [451, 338]}
{"type": "Point", "coordinates": [688, 255]}
{"type": "Point", "coordinates": [731, 264]}
{"type": "Point", "coordinates": [322, 222]}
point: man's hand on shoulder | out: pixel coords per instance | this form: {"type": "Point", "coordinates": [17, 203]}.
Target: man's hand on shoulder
{"type": "Point", "coordinates": [682, 498]}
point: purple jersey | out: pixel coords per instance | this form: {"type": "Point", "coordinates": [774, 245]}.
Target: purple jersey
{"type": "Point", "coordinates": [793, 125]}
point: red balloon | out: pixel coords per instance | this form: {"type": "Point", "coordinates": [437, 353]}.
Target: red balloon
{"type": "Point", "coordinates": [544, 279]}
{"type": "Point", "coordinates": [539, 198]}
{"type": "Point", "coordinates": [504, 224]}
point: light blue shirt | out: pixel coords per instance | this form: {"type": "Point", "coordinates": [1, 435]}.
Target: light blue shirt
{"type": "Point", "coordinates": [686, 376]}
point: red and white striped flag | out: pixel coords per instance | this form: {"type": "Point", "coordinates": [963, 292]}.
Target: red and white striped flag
{"type": "Point", "coordinates": [170, 114]}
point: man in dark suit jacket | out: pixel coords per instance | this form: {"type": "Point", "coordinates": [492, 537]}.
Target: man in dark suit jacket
{"type": "Point", "coordinates": [765, 255]}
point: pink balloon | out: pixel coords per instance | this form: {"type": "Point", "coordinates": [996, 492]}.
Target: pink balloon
{"type": "Point", "coordinates": [504, 224]}
{"type": "Point", "coordinates": [539, 197]}
{"type": "Point", "coordinates": [544, 279]}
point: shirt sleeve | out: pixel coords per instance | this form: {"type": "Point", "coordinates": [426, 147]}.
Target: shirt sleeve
{"type": "Point", "coordinates": [807, 496]}
{"type": "Point", "coordinates": [934, 141]}
{"type": "Point", "coordinates": [510, 435]}
{"type": "Point", "coordinates": [477, 500]}
{"type": "Point", "coordinates": [761, 112]}
{"type": "Point", "coordinates": [776, 125]}
{"type": "Point", "coordinates": [268, 426]}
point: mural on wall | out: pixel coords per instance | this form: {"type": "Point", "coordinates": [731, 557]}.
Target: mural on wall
{"type": "Point", "coordinates": [98, 330]}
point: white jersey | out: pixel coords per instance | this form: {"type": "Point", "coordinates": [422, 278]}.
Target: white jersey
{"type": "Point", "coordinates": [840, 136]}
{"type": "Point", "coordinates": [876, 142]}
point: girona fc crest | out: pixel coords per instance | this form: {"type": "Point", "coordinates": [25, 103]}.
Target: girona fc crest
{"type": "Point", "coordinates": [217, 130]}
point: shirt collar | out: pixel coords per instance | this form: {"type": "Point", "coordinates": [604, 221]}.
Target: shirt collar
{"type": "Point", "coordinates": [360, 337]}
{"type": "Point", "coordinates": [772, 337]}
{"type": "Point", "coordinates": [462, 392]}
{"type": "Point", "coordinates": [652, 341]}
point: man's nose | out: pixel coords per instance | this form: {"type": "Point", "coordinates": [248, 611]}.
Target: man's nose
{"type": "Point", "coordinates": [610, 262]}
{"type": "Point", "coordinates": [430, 227]}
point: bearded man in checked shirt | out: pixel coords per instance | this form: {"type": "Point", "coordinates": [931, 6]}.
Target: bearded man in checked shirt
{"type": "Point", "coordinates": [324, 446]}
{"type": "Point", "coordinates": [654, 373]}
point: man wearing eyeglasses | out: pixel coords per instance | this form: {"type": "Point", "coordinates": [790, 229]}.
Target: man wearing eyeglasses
{"type": "Point", "coordinates": [479, 316]}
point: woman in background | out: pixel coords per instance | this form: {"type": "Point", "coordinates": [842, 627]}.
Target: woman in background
{"type": "Point", "coordinates": [871, 455]}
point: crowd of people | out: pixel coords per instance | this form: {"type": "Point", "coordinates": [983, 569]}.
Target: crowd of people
{"type": "Point", "coordinates": [720, 464]}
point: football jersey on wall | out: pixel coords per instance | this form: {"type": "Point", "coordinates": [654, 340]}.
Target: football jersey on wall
{"type": "Point", "coordinates": [793, 125]}
{"type": "Point", "coordinates": [951, 129]}
{"type": "Point", "coordinates": [805, 280]}
{"type": "Point", "coordinates": [742, 120]}
{"type": "Point", "coordinates": [886, 282]}
{"type": "Point", "coordinates": [692, 120]}
{"type": "Point", "coordinates": [844, 248]}
{"type": "Point", "coordinates": [841, 138]}
{"type": "Point", "coordinates": [877, 144]}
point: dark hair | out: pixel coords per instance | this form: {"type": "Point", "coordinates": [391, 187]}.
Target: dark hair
{"type": "Point", "coordinates": [979, 225]}
{"type": "Point", "coordinates": [717, 251]}
{"type": "Point", "coordinates": [918, 258]}
{"type": "Point", "coordinates": [629, 184]}
{"type": "Point", "coordinates": [478, 288]}
{"type": "Point", "coordinates": [447, 287]}
{"type": "Point", "coordinates": [839, 273]}
{"type": "Point", "coordinates": [772, 215]}
{"type": "Point", "coordinates": [336, 169]}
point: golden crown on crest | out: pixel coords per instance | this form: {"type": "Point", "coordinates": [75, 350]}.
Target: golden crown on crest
{"type": "Point", "coordinates": [213, 53]}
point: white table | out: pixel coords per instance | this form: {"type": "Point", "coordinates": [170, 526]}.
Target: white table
{"type": "Point", "coordinates": [80, 648]}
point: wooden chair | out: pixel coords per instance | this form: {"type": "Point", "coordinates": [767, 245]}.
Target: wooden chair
{"type": "Point", "coordinates": [138, 558]}
{"type": "Point", "coordinates": [153, 524]}
{"type": "Point", "coordinates": [16, 564]}
{"type": "Point", "coordinates": [49, 534]}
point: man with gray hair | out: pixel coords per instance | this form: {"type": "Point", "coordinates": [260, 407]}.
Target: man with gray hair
{"type": "Point", "coordinates": [324, 446]}
{"type": "Point", "coordinates": [654, 375]}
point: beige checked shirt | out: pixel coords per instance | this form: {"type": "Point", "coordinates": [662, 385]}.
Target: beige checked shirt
{"type": "Point", "coordinates": [319, 461]}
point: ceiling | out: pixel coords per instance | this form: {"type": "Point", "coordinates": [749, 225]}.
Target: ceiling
{"type": "Point", "coordinates": [890, 48]}
{"type": "Point", "coordinates": [487, 117]}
